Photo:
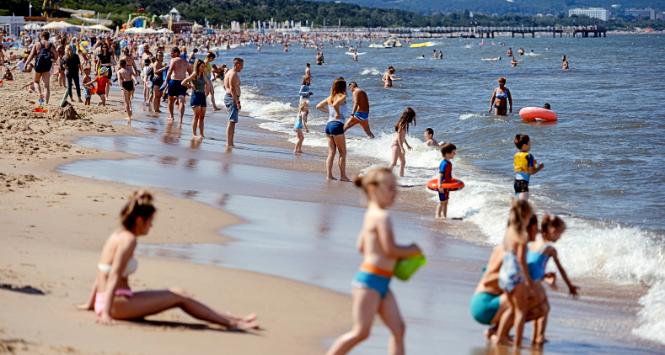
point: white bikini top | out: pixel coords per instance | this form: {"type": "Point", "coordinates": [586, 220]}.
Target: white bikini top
{"type": "Point", "coordinates": [131, 267]}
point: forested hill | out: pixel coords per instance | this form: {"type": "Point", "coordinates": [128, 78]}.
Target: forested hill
{"type": "Point", "coordinates": [501, 7]}
{"type": "Point", "coordinates": [224, 11]}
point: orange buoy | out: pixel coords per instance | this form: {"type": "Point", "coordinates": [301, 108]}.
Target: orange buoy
{"type": "Point", "coordinates": [536, 114]}
{"type": "Point", "coordinates": [452, 186]}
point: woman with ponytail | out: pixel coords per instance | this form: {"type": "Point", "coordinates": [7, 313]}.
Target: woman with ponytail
{"type": "Point", "coordinates": [376, 242]}
{"type": "Point", "coordinates": [111, 296]}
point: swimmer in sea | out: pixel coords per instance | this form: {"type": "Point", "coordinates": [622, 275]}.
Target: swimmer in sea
{"type": "Point", "coordinates": [501, 98]}
{"type": "Point", "coordinates": [509, 52]}
{"type": "Point", "coordinates": [360, 112]}
{"type": "Point", "coordinates": [564, 63]}
{"type": "Point", "coordinates": [389, 77]}
{"type": "Point", "coordinates": [428, 135]}
{"type": "Point", "coordinates": [513, 62]}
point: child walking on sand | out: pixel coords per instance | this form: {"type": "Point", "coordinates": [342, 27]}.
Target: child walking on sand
{"type": "Point", "coordinates": [525, 165]}
{"type": "Point", "coordinates": [300, 124]}
{"type": "Point", "coordinates": [448, 152]}
{"type": "Point", "coordinates": [401, 129]}
{"type": "Point", "coordinates": [538, 254]}
{"type": "Point", "coordinates": [103, 82]}
{"type": "Point", "coordinates": [514, 277]}
{"type": "Point", "coordinates": [87, 91]}
{"type": "Point", "coordinates": [376, 242]}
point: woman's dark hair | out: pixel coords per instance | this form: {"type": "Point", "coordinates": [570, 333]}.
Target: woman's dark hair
{"type": "Point", "coordinates": [407, 117]}
{"type": "Point", "coordinates": [521, 140]}
{"type": "Point", "coordinates": [429, 131]}
{"type": "Point", "coordinates": [44, 35]}
{"type": "Point", "coordinates": [139, 205]}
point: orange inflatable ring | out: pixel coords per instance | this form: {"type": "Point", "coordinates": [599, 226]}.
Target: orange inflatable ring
{"type": "Point", "coordinates": [452, 186]}
{"type": "Point", "coordinates": [535, 114]}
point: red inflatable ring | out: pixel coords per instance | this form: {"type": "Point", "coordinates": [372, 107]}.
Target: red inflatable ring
{"type": "Point", "coordinates": [535, 114]}
{"type": "Point", "coordinates": [452, 186]}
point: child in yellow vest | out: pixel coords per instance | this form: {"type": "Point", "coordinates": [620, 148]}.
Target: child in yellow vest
{"type": "Point", "coordinates": [525, 165]}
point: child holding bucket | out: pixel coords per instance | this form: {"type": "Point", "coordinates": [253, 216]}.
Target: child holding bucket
{"type": "Point", "coordinates": [371, 293]}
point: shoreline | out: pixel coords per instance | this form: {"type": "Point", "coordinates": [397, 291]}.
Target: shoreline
{"type": "Point", "coordinates": [566, 310]}
{"type": "Point", "coordinates": [55, 225]}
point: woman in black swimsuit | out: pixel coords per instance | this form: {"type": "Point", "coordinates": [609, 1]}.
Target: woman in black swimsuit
{"type": "Point", "coordinates": [126, 77]}
{"type": "Point", "coordinates": [157, 80]}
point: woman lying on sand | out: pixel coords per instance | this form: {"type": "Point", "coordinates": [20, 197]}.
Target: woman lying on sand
{"type": "Point", "coordinates": [111, 297]}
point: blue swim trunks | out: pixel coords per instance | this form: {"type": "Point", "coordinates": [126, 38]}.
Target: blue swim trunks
{"type": "Point", "coordinates": [175, 88]}
{"type": "Point", "coordinates": [484, 307]}
{"type": "Point", "coordinates": [371, 281]}
{"type": "Point", "coordinates": [198, 99]}
{"type": "Point", "coordinates": [362, 116]}
{"type": "Point", "coordinates": [334, 128]}
{"type": "Point", "coordinates": [232, 107]}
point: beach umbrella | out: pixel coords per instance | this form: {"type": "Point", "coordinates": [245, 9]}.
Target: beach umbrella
{"type": "Point", "coordinates": [57, 25]}
{"type": "Point", "coordinates": [32, 26]}
{"type": "Point", "coordinates": [99, 28]}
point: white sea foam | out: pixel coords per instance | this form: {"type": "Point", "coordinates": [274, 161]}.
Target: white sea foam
{"type": "Point", "coordinates": [370, 71]}
{"type": "Point", "coordinates": [623, 255]}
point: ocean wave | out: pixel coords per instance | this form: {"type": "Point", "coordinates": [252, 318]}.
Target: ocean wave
{"type": "Point", "coordinates": [623, 255]}
{"type": "Point", "coordinates": [370, 71]}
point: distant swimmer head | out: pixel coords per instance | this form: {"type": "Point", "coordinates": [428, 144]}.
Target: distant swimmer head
{"type": "Point", "coordinates": [522, 142]}
{"type": "Point", "coordinates": [379, 185]}
{"type": "Point", "coordinates": [552, 227]}
{"type": "Point", "coordinates": [547, 106]}
{"type": "Point", "coordinates": [519, 215]}
{"type": "Point", "coordinates": [448, 151]}
{"type": "Point", "coordinates": [391, 69]}
{"type": "Point", "coordinates": [136, 215]}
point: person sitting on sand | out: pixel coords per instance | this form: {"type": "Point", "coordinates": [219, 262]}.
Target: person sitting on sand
{"type": "Point", "coordinates": [501, 98]}
{"type": "Point", "coordinates": [371, 285]}
{"type": "Point", "coordinates": [112, 298]}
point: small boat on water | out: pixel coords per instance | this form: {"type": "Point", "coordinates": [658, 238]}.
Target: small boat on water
{"type": "Point", "coordinates": [392, 43]}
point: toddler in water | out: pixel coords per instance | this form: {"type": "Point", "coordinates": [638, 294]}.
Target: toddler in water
{"type": "Point", "coordinates": [538, 254]}
{"type": "Point", "coordinates": [514, 277]}
{"type": "Point", "coordinates": [448, 151]}
{"type": "Point", "coordinates": [376, 242]}
{"type": "Point", "coordinates": [525, 165]}
{"type": "Point", "coordinates": [300, 124]}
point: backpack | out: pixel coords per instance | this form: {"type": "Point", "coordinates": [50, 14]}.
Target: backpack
{"type": "Point", "coordinates": [44, 60]}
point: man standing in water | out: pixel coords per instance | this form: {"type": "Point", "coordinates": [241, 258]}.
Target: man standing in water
{"type": "Point", "coordinates": [360, 114]}
{"type": "Point", "coordinates": [232, 98]}
{"type": "Point", "coordinates": [178, 71]}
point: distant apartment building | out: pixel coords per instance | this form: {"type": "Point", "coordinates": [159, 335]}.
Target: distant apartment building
{"type": "Point", "coordinates": [647, 13]}
{"type": "Point", "coordinates": [593, 12]}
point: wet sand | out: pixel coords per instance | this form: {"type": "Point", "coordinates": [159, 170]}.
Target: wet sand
{"type": "Point", "coordinates": [54, 226]}
{"type": "Point", "coordinates": [299, 226]}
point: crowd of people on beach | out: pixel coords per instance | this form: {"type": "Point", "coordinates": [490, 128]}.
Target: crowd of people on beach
{"type": "Point", "coordinates": [510, 291]}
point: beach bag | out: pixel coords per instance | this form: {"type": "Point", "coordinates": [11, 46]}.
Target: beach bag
{"type": "Point", "coordinates": [44, 60]}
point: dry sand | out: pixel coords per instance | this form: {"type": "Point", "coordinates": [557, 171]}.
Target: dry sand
{"type": "Point", "coordinates": [53, 228]}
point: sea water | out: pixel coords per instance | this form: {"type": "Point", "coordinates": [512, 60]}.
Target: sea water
{"type": "Point", "coordinates": [603, 159]}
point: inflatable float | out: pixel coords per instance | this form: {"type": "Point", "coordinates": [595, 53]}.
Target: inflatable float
{"type": "Point", "coordinates": [351, 53]}
{"type": "Point", "coordinates": [537, 114]}
{"type": "Point", "coordinates": [424, 44]}
{"type": "Point", "coordinates": [452, 186]}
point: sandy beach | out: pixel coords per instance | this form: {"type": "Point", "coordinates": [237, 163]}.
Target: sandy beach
{"type": "Point", "coordinates": [54, 226]}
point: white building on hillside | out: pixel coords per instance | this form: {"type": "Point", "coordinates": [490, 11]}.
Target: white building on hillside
{"type": "Point", "coordinates": [647, 13]}
{"type": "Point", "coordinates": [593, 12]}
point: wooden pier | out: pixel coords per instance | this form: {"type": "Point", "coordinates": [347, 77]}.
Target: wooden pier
{"type": "Point", "coordinates": [491, 32]}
